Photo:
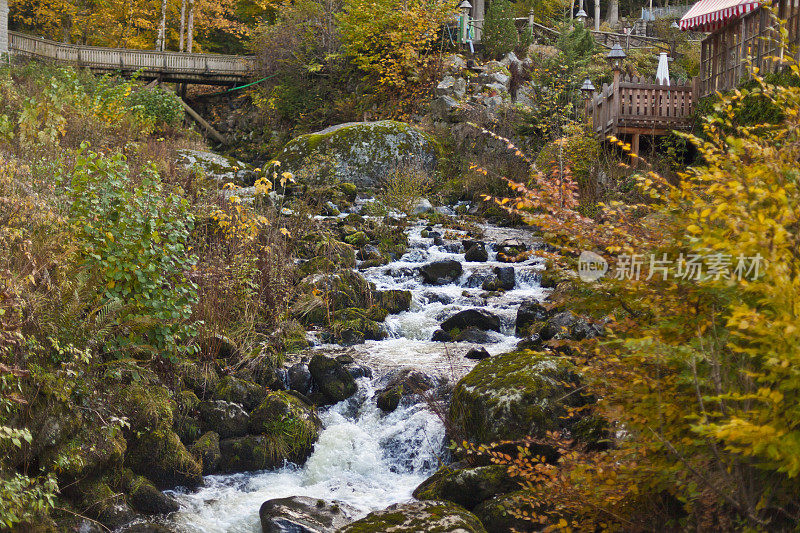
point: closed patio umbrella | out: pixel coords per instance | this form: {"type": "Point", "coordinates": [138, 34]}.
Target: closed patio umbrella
{"type": "Point", "coordinates": [662, 72]}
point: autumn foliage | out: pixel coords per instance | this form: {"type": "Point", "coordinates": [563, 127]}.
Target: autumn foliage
{"type": "Point", "coordinates": [698, 375]}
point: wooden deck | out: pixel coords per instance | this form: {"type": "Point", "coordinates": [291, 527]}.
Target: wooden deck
{"type": "Point", "coordinates": [640, 106]}
{"type": "Point", "coordinates": [212, 69]}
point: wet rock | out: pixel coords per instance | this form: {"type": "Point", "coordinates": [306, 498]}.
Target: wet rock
{"type": "Point", "coordinates": [502, 279]}
{"type": "Point", "coordinates": [474, 335]}
{"type": "Point", "coordinates": [369, 253]}
{"type": "Point", "coordinates": [476, 253]}
{"type": "Point", "coordinates": [441, 335]}
{"type": "Point", "coordinates": [163, 459]}
{"type": "Point", "coordinates": [301, 514]}
{"type": "Point", "coordinates": [512, 395]}
{"type": "Point", "coordinates": [477, 353]}
{"type": "Point", "coordinates": [226, 418]}
{"type": "Point", "coordinates": [332, 378]}
{"type": "Point", "coordinates": [511, 247]}
{"type": "Point", "coordinates": [393, 301]}
{"type": "Point", "coordinates": [299, 378]}
{"type": "Point", "coordinates": [146, 527]}
{"type": "Point", "coordinates": [433, 297]}
{"type": "Point", "coordinates": [453, 247]}
{"type": "Point", "coordinates": [494, 516]}
{"type": "Point", "coordinates": [414, 517]}
{"type": "Point", "coordinates": [403, 383]}
{"type": "Point", "coordinates": [441, 272]}
{"type": "Point", "coordinates": [467, 487]}
{"type": "Point", "coordinates": [558, 326]}
{"type": "Point", "coordinates": [530, 313]}
{"type": "Point", "coordinates": [290, 424]}
{"type": "Point", "coordinates": [145, 498]}
{"type": "Point", "coordinates": [477, 318]}
{"type": "Point", "coordinates": [359, 371]}
{"type": "Point", "coordinates": [235, 390]}
{"type": "Point", "coordinates": [97, 500]}
{"type": "Point", "coordinates": [532, 342]}
{"type": "Point", "coordinates": [206, 450]}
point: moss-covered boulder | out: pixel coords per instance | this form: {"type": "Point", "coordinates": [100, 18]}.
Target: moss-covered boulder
{"type": "Point", "coordinates": [206, 451]}
{"type": "Point", "coordinates": [144, 497]}
{"type": "Point", "coordinates": [241, 391]}
{"type": "Point", "coordinates": [393, 301]}
{"type": "Point", "coordinates": [338, 290]}
{"type": "Point", "coordinates": [362, 152]}
{"type": "Point", "coordinates": [161, 457]}
{"type": "Point", "coordinates": [87, 453]}
{"type": "Point", "coordinates": [226, 418]}
{"type": "Point", "coordinates": [290, 425]}
{"type": "Point", "coordinates": [145, 406]}
{"type": "Point", "coordinates": [220, 168]}
{"type": "Point", "coordinates": [494, 515]}
{"type": "Point", "coordinates": [198, 376]}
{"type": "Point", "coordinates": [467, 487]}
{"type": "Point", "coordinates": [95, 498]}
{"type": "Point", "coordinates": [428, 516]}
{"type": "Point", "coordinates": [332, 378]}
{"type": "Point", "coordinates": [513, 395]}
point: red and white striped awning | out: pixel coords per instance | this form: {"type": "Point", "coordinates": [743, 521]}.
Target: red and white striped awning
{"type": "Point", "coordinates": [709, 15]}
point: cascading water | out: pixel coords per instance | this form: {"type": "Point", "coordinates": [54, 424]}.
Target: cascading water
{"type": "Point", "coordinates": [365, 457]}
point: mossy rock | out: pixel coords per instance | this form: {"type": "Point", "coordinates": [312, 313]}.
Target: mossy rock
{"type": "Point", "coordinates": [495, 517]}
{"type": "Point", "coordinates": [332, 378]}
{"type": "Point", "coordinates": [363, 152]}
{"type": "Point", "coordinates": [357, 239]}
{"type": "Point", "coordinates": [393, 301]}
{"type": "Point", "coordinates": [228, 419]}
{"type": "Point", "coordinates": [249, 453]}
{"type": "Point", "coordinates": [144, 497]}
{"type": "Point", "coordinates": [199, 376]}
{"type": "Point", "coordinates": [513, 395]}
{"type": "Point", "coordinates": [220, 168]}
{"type": "Point", "coordinates": [338, 290]}
{"type": "Point", "coordinates": [95, 498]}
{"type": "Point", "coordinates": [187, 401]}
{"type": "Point", "coordinates": [428, 516]}
{"type": "Point", "coordinates": [317, 265]}
{"type": "Point", "coordinates": [467, 487]}
{"type": "Point", "coordinates": [290, 425]}
{"type": "Point", "coordinates": [145, 406]}
{"type": "Point", "coordinates": [241, 391]}
{"type": "Point", "coordinates": [161, 456]}
{"type": "Point", "coordinates": [88, 453]}
{"type": "Point", "coordinates": [206, 451]}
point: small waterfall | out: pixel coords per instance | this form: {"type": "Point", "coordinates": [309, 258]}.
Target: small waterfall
{"type": "Point", "coordinates": [365, 457]}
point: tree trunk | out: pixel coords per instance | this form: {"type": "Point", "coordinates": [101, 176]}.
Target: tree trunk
{"type": "Point", "coordinates": [613, 13]}
{"type": "Point", "coordinates": [190, 27]}
{"type": "Point", "coordinates": [162, 27]}
{"type": "Point", "coordinates": [183, 24]}
{"type": "Point", "coordinates": [596, 15]}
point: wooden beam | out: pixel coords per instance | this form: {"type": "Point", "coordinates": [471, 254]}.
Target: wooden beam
{"type": "Point", "coordinates": [200, 120]}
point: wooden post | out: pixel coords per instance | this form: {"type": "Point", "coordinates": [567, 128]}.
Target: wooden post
{"type": "Point", "coordinates": [635, 149]}
{"type": "Point", "coordinates": [200, 120]}
{"type": "Point", "coordinates": [3, 27]}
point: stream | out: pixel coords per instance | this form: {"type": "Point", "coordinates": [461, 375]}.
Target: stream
{"type": "Point", "coordinates": [365, 457]}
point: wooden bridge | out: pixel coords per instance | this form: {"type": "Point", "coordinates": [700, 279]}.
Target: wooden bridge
{"type": "Point", "coordinates": [210, 69]}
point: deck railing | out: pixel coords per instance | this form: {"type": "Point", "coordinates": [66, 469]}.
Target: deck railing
{"type": "Point", "coordinates": [643, 106]}
{"type": "Point", "coordinates": [171, 66]}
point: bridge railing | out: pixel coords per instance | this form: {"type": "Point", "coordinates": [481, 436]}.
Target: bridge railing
{"type": "Point", "coordinates": [151, 62]}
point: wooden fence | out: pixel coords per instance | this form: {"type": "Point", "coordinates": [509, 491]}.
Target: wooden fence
{"type": "Point", "coordinates": [165, 66]}
{"type": "Point", "coordinates": [642, 106]}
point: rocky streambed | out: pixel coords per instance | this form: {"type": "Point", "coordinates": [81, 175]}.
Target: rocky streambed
{"type": "Point", "coordinates": [464, 300]}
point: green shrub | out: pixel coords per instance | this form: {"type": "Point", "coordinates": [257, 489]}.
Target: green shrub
{"type": "Point", "coordinates": [156, 106]}
{"type": "Point", "coordinates": [132, 236]}
{"type": "Point", "coordinates": [499, 32]}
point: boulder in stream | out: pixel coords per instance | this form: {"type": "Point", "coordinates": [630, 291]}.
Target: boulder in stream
{"type": "Point", "coordinates": [441, 272]}
{"type": "Point", "coordinates": [332, 379]}
{"type": "Point", "coordinates": [476, 253]}
{"type": "Point", "coordinates": [477, 318]}
{"type": "Point", "coordinates": [403, 383]}
{"type": "Point", "coordinates": [413, 517]}
{"type": "Point", "coordinates": [477, 353]}
{"type": "Point", "coordinates": [362, 152]}
{"type": "Point", "coordinates": [302, 514]}
{"type": "Point", "coordinates": [529, 313]}
{"type": "Point", "coordinates": [465, 486]}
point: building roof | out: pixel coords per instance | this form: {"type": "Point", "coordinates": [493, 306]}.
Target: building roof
{"type": "Point", "coordinates": [710, 15]}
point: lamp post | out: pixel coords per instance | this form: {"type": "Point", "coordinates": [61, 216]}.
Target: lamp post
{"type": "Point", "coordinates": [464, 7]}
{"type": "Point", "coordinates": [615, 57]}
{"type": "Point", "coordinates": [587, 90]}
{"type": "Point", "coordinates": [581, 16]}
